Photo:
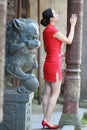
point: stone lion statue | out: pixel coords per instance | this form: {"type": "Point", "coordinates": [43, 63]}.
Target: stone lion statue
{"type": "Point", "coordinates": [22, 41]}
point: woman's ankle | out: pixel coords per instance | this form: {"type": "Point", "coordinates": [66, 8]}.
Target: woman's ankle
{"type": "Point", "coordinates": [47, 120]}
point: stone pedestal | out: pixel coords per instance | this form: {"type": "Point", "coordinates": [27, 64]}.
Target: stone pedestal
{"type": "Point", "coordinates": [17, 110]}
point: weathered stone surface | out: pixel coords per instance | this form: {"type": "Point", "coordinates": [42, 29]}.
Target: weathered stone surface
{"type": "Point", "coordinates": [70, 119]}
{"type": "Point", "coordinates": [17, 110]}
{"type": "Point", "coordinates": [68, 127]}
{"type": "Point", "coordinates": [21, 44]}
{"type": "Point", "coordinates": [73, 62]}
{"type": "Point", "coordinates": [84, 54]}
{"type": "Point", "coordinates": [2, 51]}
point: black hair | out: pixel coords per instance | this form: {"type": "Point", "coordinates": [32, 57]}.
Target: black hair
{"type": "Point", "coordinates": [46, 15]}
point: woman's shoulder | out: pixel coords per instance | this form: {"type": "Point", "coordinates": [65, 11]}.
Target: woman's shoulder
{"type": "Point", "coordinates": [50, 29]}
{"type": "Point", "coordinates": [53, 29]}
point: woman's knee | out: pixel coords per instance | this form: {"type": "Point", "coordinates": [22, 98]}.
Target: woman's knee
{"type": "Point", "coordinates": [55, 90]}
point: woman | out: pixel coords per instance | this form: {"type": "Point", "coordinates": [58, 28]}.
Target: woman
{"type": "Point", "coordinates": [53, 39]}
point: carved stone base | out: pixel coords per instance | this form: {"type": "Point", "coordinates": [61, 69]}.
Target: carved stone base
{"type": "Point", "coordinates": [17, 110]}
{"type": "Point", "coordinates": [70, 119]}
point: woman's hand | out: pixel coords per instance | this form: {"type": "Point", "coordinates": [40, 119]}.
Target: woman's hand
{"type": "Point", "coordinates": [73, 19]}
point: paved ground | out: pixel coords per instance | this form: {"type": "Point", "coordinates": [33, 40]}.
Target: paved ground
{"type": "Point", "coordinates": [37, 116]}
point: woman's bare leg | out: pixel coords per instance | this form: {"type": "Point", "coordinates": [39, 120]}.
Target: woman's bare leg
{"type": "Point", "coordinates": [55, 91]}
{"type": "Point", "coordinates": [46, 98]}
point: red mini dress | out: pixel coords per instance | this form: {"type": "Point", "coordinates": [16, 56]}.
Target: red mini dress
{"type": "Point", "coordinates": [53, 62]}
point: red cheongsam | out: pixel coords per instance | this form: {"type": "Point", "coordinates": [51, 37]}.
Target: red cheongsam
{"type": "Point", "coordinates": [53, 62]}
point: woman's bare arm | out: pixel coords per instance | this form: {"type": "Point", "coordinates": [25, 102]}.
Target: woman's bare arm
{"type": "Point", "coordinates": [63, 38]}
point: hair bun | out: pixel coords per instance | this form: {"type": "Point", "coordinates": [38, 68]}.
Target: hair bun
{"type": "Point", "coordinates": [44, 22]}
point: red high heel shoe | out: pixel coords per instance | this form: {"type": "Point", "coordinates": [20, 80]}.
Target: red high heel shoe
{"type": "Point", "coordinates": [46, 124]}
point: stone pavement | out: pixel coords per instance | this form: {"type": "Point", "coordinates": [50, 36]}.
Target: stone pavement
{"type": "Point", "coordinates": [37, 116]}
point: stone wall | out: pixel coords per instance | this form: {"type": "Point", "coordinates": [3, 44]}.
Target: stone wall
{"type": "Point", "coordinates": [84, 54]}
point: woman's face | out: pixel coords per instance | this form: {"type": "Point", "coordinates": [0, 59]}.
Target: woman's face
{"type": "Point", "coordinates": [56, 18]}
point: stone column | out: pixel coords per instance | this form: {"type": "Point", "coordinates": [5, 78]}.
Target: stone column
{"type": "Point", "coordinates": [73, 61]}
{"type": "Point", "coordinates": [2, 51]}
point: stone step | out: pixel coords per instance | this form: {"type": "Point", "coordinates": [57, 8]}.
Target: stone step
{"type": "Point", "coordinates": [84, 128]}
{"type": "Point", "coordinates": [68, 127]}
{"type": "Point", "coordinates": [45, 129]}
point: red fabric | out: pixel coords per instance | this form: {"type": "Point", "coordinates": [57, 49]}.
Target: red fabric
{"type": "Point", "coordinates": [52, 46]}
